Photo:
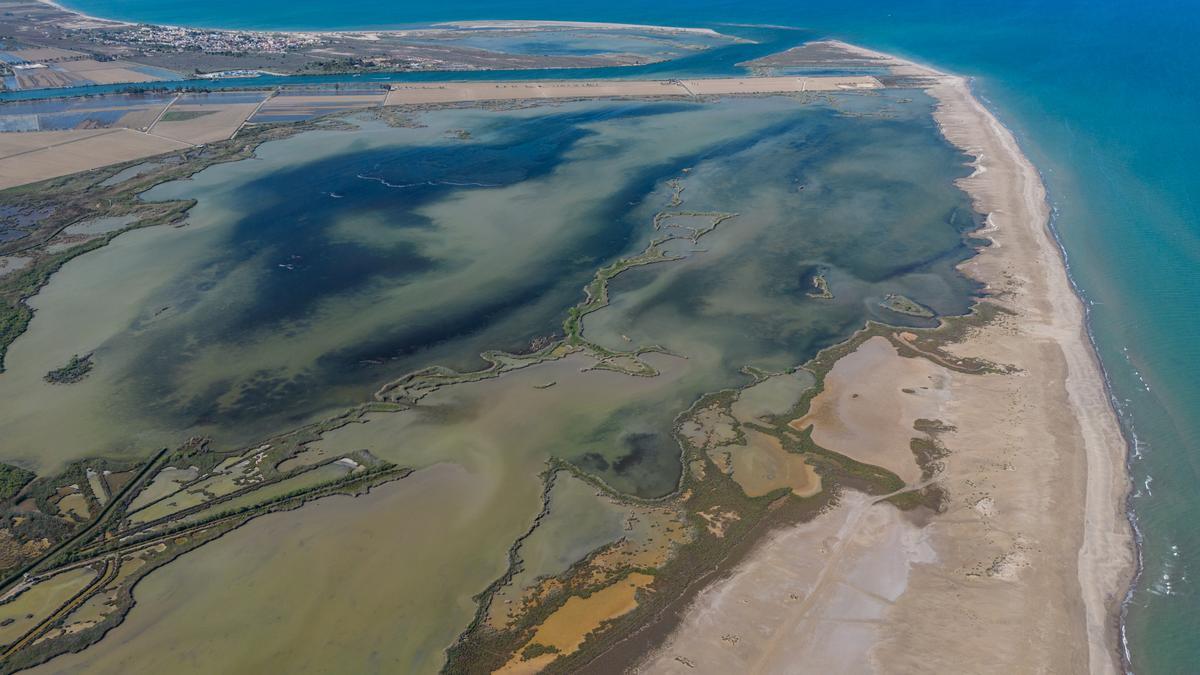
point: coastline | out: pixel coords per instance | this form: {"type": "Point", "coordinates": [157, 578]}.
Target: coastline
{"type": "Point", "coordinates": [1105, 559]}
{"type": "Point", "coordinates": [1029, 567]}
{"type": "Point", "coordinates": [513, 24]}
{"type": "Point", "coordinates": [89, 17]}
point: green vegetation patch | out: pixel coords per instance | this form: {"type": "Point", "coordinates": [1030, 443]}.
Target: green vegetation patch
{"type": "Point", "coordinates": [904, 305]}
{"type": "Point", "coordinates": [75, 370]}
{"type": "Point", "coordinates": [536, 649]}
{"type": "Point", "coordinates": [12, 479]}
{"type": "Point", "coordinates": [184, 115]}
{"type": "Point", "coordinates": [931, 497]}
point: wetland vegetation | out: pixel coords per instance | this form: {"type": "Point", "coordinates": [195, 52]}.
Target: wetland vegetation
{"type": "Point", "coordinates": [381, 311]}
{"type": "Point", "coordinates": [76, 368]}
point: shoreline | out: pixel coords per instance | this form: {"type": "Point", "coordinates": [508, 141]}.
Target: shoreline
{"type": "Point", "coordinates": [1132, 453]}
{"type": "Point", "coordinates": [1107, 482]}
{"type": "Point", "coordinates": [1107, 476]}
{"type": "Point", "coordinates": [510, 24]}
{"type": "Point", "coordinates": [1109, 532]}
{"type": "Point", "coordinates": [63, 8]}
{"type": "Point", "coordinates": [1037, 474]}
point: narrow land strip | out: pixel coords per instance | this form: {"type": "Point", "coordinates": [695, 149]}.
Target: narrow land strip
{"type": "Point", "coordinates": [59, 153]}
{"type": "Point", "coordinates": [1025, 569]}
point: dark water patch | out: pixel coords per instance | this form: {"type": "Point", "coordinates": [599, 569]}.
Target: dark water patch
{"type": "Point", "coordinates": [869, 203]}
{"type": "Point", "coordinates": [291, 247]}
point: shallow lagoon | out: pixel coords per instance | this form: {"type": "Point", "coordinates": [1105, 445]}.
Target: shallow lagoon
{"type": "Point", "coordinates": [337, 260]}
{"type": "Point", "coordinates": [334, 262]}
{"type": "Point", "coordinates": [388, 249]}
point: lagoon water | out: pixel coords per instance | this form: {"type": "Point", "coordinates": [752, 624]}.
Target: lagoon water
{"type": "Point", "coordinates": [339, 257]}
{"type": "Point", "coordinates": [1102, 96]}
{"type": "Point", "coordinates": [339, 260]}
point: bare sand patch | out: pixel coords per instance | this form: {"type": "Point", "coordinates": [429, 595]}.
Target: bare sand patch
{"type": "Point", "coordinates": [15, 143]}
{"type": "Point", "coordinates": [216, 122]}
{"type": "Point", "coordinates": [281, 103]}
{"type": "Point", "coordinates": [37, 54]}
{"type": "Point", "coordinates": [455, 92]}
{"type": "Point", "coordinates": [810, 598]}
{"type": "Point", "coordinates": [289, 106]}
{"type": "Point", "coordinates": [1054, 451]}
{"type": "Point", "coordinates": [90, 149]}
{"type": "Point", "coordinates": [763, 466]}
{"type": "Point", "coordinates": [871, 400]}
{"type": "Point", "coordinates": [140, 119]}
{"type": "Point", "coordinates": [1025, 570]}
{"type": "Point", "coordinates": [778, 85]}
{"type": "Point", "coordinates": [524, 23]}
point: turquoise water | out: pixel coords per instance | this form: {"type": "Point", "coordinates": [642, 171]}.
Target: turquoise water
{"type": "Point", "coordinates": [1100, 94]}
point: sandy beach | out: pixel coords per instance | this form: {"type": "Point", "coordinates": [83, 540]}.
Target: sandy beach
{"type": "Point", "coordinates": [1026, 568]}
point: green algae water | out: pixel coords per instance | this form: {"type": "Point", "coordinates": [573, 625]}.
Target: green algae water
{"type": "Point", "coordinates": [1100, 95]}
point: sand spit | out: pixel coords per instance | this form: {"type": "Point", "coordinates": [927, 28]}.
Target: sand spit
{"type": "Point", "coordinates": [1025, 569]}
{"type": "Point", "coordinates": [28, 157]}
{"type": "Point", "coordinates": [459, 92]}
{"type": "Point", "coordinates": [525, 24]}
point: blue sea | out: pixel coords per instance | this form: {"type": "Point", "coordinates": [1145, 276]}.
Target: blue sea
{"type": "Point", "coordinates": [1103, 97]}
